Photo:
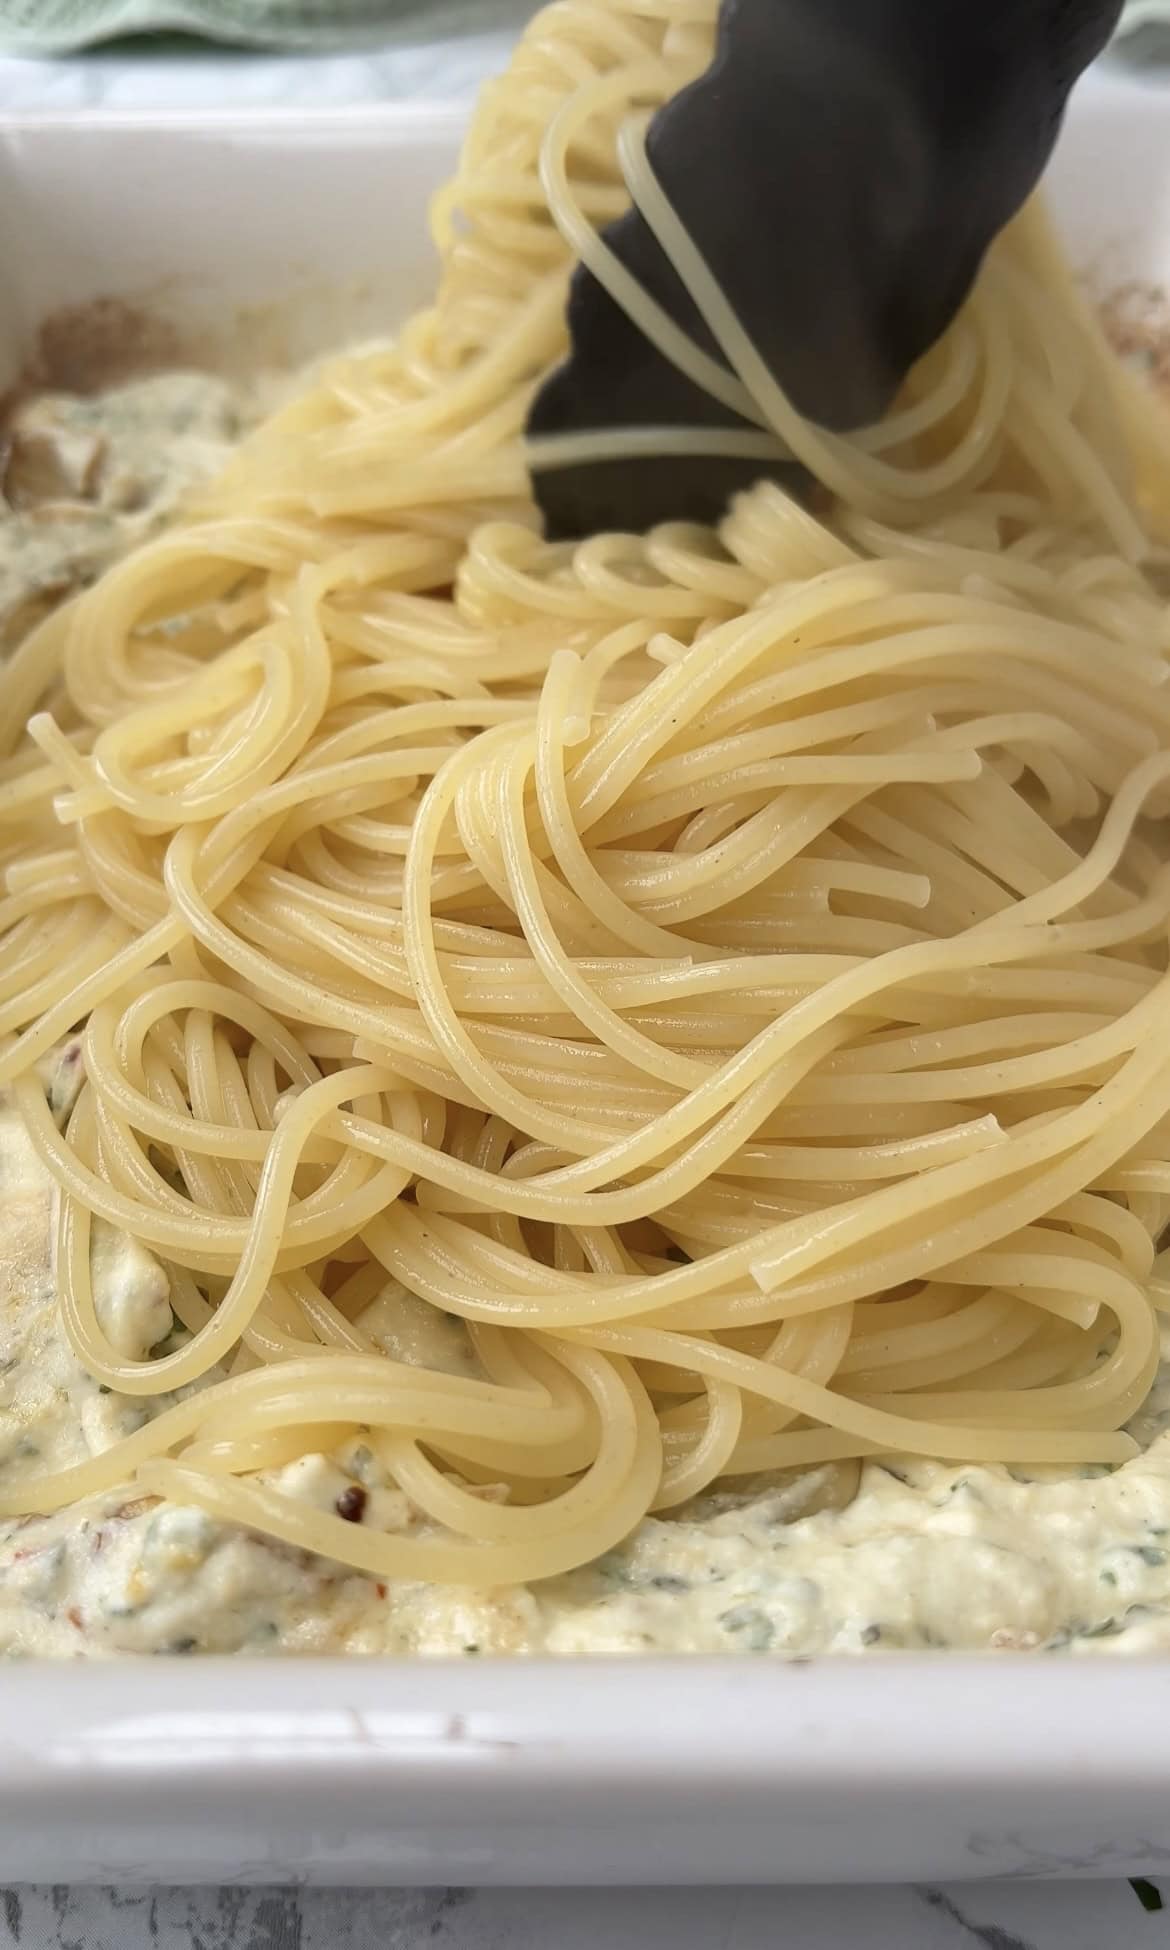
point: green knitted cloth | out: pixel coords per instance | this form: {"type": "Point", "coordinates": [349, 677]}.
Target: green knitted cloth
{"type": "Point", "coordinates": [57, 26]}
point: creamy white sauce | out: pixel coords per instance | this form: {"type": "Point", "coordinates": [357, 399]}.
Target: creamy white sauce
{"type": "Point", "coordinates": [924, 1555]}
{"type": "Point", "coordinates": [82, 479]}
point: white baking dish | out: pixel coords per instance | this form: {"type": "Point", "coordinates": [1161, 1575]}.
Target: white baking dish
{"type": "Point", "coordinates": [253, 239]}
{"type": "Point", "coordinates": [237, 241]}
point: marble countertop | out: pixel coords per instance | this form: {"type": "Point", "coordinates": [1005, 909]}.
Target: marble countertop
{"type": "Point", "coordinates": [1033, 1916]}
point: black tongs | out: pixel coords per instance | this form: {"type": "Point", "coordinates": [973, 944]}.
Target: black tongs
{"type": "Point", "coordinates": [842, 168]}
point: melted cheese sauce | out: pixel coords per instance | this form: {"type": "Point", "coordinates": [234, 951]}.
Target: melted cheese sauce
{"type": "Point", "coordinates": [898, 1554]}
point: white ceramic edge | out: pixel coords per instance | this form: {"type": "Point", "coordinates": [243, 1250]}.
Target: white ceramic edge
{"type": "Point", "coordinates": [889, 1769]}
{"type": "Point", "coordinates": [255, 239]}
{"type": "Point", "coordinates": [659, 1771]}
{"type": "Point", "coordinates": [390, 121]}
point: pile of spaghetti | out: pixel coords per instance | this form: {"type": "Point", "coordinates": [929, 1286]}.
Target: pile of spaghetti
{"type": "Point", "coordinates": [729, 972]}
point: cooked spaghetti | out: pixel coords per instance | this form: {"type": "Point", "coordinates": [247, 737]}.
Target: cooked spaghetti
{"type": "Point", "coordinates": [727, 972]}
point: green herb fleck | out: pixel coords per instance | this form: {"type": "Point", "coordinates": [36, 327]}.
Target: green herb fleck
{"type": "Point", "coordinates": [754, 1625]}
{"type": "Point", "coordinates": [1147, 1893]}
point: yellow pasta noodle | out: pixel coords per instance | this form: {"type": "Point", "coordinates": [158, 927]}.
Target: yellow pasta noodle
{"type": "Point", "coordinates": [727, 972]}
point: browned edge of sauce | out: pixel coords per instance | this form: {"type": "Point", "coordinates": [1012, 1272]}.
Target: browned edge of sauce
{"type": "Point", "coordinates": [83, 349]}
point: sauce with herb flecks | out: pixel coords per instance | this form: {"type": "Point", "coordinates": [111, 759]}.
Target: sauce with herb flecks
{"type": "Point", "coordinates": [899, 1555]}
